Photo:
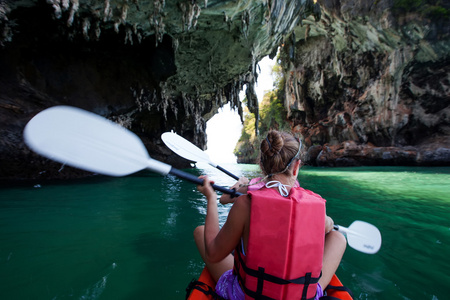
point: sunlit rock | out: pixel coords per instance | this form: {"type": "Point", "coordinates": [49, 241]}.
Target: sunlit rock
{"type": "Point", "coordinates": [369, 84]}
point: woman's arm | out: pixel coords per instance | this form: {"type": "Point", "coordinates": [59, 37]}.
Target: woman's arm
{"type": "Point", "coordinates": [220, 242]}
{"type": "Point", "coordinates": [212, 216]}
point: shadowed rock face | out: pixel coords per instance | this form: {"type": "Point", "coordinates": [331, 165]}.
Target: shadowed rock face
{"type": "Point", "coordinates": [368, 85]}
{"type": "Point", "coordinates": [151, 66]}
{"type": "Point", "coordinates": [364, 85]}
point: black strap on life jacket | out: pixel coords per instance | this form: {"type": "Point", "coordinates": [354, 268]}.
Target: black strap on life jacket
{"type": "Point", "coordinates": [262, 276]}
{"type": "Point", "coordinates": [202, 287]}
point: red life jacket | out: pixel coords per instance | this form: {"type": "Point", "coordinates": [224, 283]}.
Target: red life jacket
{"type": "Point", "coordinates": [285, 246]}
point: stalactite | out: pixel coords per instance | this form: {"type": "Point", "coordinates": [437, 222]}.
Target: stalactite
{"type": "Point", "coordinates": [65, 4]}
{"type": "Point", "coordinates": [231, 92]}
{"type": "Point", "coordinates": [175, 44]}
{"type": "Point", "coordinates": [190, 14]}
{"type": "Point", "coordinates": [292, 47]}
{"type": "Point", "coordinates": [254, 66]}
{"type": "Point", "coordinates": [166, 98]}
{"type": "Point", "coordinates": [156, 20]}
{"type": "Point", "coordinates": [245, 21]}
{"type": "Point", "coordinates": [252, 103]}
{"type": "Point", "coordinates": [123, 16]}
{"type": "Point", "coordinates": [116, 25]}
{"type": "Point", "coordinates": [128, 36]}
{"type": "Point", "coordinates": [219, 97]}
{"type": "Point", "coordinates": [191, 105]}
{"type": "Point", "coordinates": [183, 15]}
{"type": "Point", "coordinates": [197, 11]}
{"type": "Point", "coordinates": [227, 20]}
{"type": "Point", "coordinates": [163, 105]}
{"type": "Point", "coordinates": [86, 26]}
{"type": "Point", "coordinates": [174, 109]}
{"type": "Point", "coordinates": [73, 10]}
{"type": "Point", "coordinates": [137, 33]}
{"type": "Point", "coordinates": [144, 99]}
{"type": "Point", "coordinates": [186, 104]}
{"type": "Point", "coordinates": [107, 11]}
{"type": "Point", "coordinates": [56, 7]}
{"type": "Point", "coordinates": [159, 30]}
{"type": "Point", "coordinates": [197, 91]}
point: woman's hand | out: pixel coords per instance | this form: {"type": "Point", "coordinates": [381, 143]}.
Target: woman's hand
{"type": "Point", "coordinates": [242, 180]}
{"type": "Point", "coordinates": [206, 189]}
{"type": "Point", "coordinates": [329, 224]}
{"type": "Point", "coordinates": [225, 198]}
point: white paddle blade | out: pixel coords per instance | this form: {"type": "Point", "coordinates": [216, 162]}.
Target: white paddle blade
{"type": "Point", "coordinates": [184, 148]}
{"type": "Point", "coordinates": [364, 237]}
{"type": "Point", "coordinates": [87, 141]}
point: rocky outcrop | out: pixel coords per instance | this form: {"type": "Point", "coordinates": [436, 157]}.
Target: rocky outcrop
{"type": "Point", "coordinates": [151, 66]}
{"type": "Point", "coordinates": [369, 84]}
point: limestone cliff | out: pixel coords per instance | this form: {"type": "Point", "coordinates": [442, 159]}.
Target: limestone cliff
{"type": "Point", "coordinates": [151, 66]}
{"type": "Point", "coordinates": [369, 84]}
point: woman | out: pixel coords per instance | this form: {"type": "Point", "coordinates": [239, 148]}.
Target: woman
{"type": "Point", "coordinates": [283, 240]}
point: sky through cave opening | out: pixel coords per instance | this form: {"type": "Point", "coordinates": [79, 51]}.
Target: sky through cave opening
{"type": "Point", "coordinates": [224, 129]}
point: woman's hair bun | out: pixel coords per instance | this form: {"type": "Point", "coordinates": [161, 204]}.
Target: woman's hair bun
{"type": "Point", "coordinates": [277, 152]}
{"type": "Point", "coordinates": [272, 144]}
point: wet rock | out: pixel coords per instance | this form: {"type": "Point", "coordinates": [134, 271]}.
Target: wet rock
{"type": "Point", "coordinates": [151, 66]}
{"type": "Point", "coordinates": [370, 84]}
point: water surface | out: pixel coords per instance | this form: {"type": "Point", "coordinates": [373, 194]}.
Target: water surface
{"type": "Point", "coordinates": [131, 237]}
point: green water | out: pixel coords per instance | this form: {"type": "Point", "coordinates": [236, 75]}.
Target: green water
{"type": "Point", "coordinates": [131, 238]}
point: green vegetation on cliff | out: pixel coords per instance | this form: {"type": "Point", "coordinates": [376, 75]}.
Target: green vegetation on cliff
{"type": "Point", "coordinates": [272, 115]}
{"type": "Point", "coordinates": [428, 8]}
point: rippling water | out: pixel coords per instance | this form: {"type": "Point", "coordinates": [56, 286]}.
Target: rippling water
{"type": "Point", "coordinates": [131, 237]}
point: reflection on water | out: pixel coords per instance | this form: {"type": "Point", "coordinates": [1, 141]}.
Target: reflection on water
{"type": "Point", "coordinates": [131, 237]}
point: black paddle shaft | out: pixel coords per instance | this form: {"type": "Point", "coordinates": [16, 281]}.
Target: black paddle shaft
{"type": "Point", "coordinates": [228, 173]}
{"type": "Point", "coordinates": [198, 181]}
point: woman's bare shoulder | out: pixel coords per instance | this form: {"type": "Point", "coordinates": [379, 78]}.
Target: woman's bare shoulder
{"type": "Point", "coordinates": [242, 204]}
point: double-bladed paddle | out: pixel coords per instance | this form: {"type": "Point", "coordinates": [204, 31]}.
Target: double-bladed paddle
{"type": "Point", "coordinates": [90, 142]}
{"type": "Point", "coordinates": [187, 150]}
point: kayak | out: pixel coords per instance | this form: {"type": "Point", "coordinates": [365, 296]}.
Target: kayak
{"type": "Point", "coordinates": [203, 288]}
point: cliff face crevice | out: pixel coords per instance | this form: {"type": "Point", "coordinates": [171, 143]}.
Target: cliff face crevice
{"type": "Point", "coordinates": [368, 86]}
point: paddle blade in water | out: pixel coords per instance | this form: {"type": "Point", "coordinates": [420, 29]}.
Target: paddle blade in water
{"type": "Point", "coordinates": [364, 237]}
{"type": "Point", "coordinates": [184, 148]}
{"type": "Point", "coordinates": [87, 141]}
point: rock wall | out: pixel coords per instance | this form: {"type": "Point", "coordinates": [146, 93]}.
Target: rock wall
{"type": "Point", "coordinates": [151, 66]}
{"type": "Point", "coordinates": [370, 85]}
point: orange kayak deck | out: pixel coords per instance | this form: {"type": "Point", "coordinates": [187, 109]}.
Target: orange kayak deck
{"type": "Point", "coordinates": [198, 292]}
